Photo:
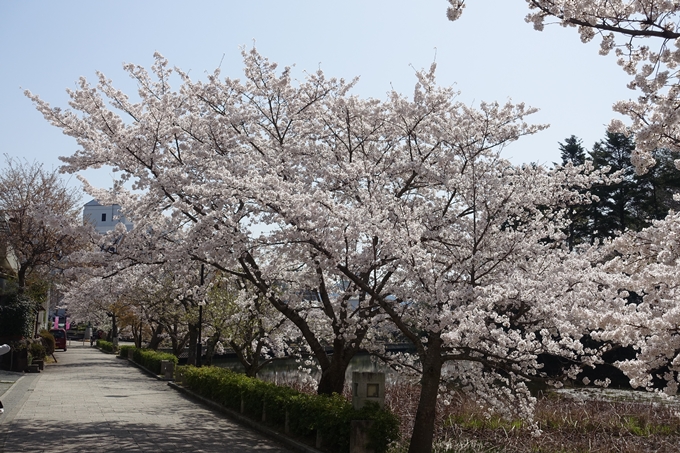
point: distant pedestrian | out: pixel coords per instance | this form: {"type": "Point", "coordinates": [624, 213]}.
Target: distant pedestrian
{"type": "Point", "coordinates": [4, 349]}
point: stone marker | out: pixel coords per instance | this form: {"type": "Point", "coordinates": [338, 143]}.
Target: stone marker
{"type": "Point", "coordinates": [167, 369]}
{"type": "Point", "coordinates": [367, 386]}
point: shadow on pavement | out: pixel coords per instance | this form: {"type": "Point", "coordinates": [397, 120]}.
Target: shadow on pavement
{"type": "Point", "coordinates": [103, 362]}
{"type": "Point", "coordinates": [192, 435]}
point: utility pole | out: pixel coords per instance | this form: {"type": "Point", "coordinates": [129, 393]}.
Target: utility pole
{"type": "Point", "coordinates": [199, 348]}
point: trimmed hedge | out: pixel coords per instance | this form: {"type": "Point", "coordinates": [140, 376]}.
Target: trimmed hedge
{"type": "Point", "coordinates": [150, 359]}
{"type": "Point", "coordinates": [331, 416]}
{"type": "Point", "coordinates": [123, 350]}
{"type": "Point", "coordinates": [106, 346]}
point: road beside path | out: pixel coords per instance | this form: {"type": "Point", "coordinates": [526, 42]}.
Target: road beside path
{"type": "Point", "coordinates": [91, 401]}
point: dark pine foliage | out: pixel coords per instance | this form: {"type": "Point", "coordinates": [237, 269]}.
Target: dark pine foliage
{"type": "Point", "coordinates": [630, 203]}
{"type": "Point", "coordinates": [579, 225]}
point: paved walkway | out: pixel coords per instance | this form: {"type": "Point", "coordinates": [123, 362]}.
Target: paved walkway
{"type": "Point", "coordinates": [91, 401]}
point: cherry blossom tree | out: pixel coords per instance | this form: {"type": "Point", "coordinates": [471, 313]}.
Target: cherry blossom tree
{"type": "Point", "coordinates": [217, 195]}
{"type": "Point", "coordinates": [40, 214]}
{"type": "Point", "coordinates": [626, 28]}
{"type": "Point", "coordinates": [646, 263]}
{"type": "Point", "coordinates": [645, 36]}
{"type": "Point", "coordinates": [116, 277]}
{"type": "Point", "coordinates": [102, 303]}
{"type": "Point", "coordinates": [244, 320]}
{"type": "Point", "coordinates": [399, 210]}
{"type": "Point", "coordinates": [473, 272]}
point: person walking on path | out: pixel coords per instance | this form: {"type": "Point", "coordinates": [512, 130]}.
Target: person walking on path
{"type": "Point", "coordinates": [4, 349]}
{"type": "Point", "coordinates": [95, 399]}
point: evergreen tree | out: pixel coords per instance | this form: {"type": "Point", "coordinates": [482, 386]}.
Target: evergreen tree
{"type": "Point", "coordinates": [578, 230]}
{"type": "Point", "coordinates": [660, 183]}
{"type": "Point", "coordinates": [573, 151]}
{"type": "Point", "coordinates": [635, 200]}
{"type": "Point", "coordinates": [618, 208]}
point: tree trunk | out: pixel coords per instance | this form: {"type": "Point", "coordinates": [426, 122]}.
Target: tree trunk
{"type": "Point", "coordinates": [114, 329]}
{"type": "Point", "coordinates": [193, 340]}
{"type": "Point", "coordinates": [174, 346]}
{"type": "Point", "coordinates": [21, 280]}
{"type": "Point", "coordinates": [137, 330]}
{"type": "Point", "coordinates": [155, 337]}
{"type": "Point", "coordinates": [248, 360]}
{"type": "Point", "coordinates": [333, 377]}
{"type": "Point", "coordinates": [252, 369]}
{"type": "Point", "coordinates": [423, 428]}
{"type": "Point", "coordinates": [178, 342]}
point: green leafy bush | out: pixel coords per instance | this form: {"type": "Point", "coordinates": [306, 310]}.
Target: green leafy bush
{"type": "Point", "coordinates": [37, 350]}
{"type": "Point", "coordinates": [16, 315]}
{"type": "Point", "coordinates": [106, 346]}
{"type": "Point", "coordinates": [331, 416]}
{"type": "Point", "coordinates": [48, 341]}
{"type": "Point", "coordinates": [385, 428]}
{"type": "Point", "coordinates": [151, 360]}
{"type": "Point", "coordinates": [123, 350]}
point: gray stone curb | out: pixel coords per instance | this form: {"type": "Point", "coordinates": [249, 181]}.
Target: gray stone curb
{"type": "Point", "coordinates": [275, 435]}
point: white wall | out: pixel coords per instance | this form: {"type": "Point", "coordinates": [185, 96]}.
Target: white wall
{"type": "Point", "coordinates": [93, 214]}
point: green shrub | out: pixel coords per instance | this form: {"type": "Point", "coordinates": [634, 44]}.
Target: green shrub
{"type": "Point", "coordinates": [385, 428]}
{"type": "Point", "coordinates": [151, 360]}
{"type": "Point", "coordinates": [16, 315]}
{"type": "Point", "coordinates": [48, 341]}
{"type": "Point", "coordinates": [123, 350]}
{"type": "Point", "coordinates": [106, 346]}
{"type": "Point", "coordinates": [331, 416]}
{"type": "Point", "coordinates": [37, 350]}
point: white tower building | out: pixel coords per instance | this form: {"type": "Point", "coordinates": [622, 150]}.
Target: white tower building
{"type": "Point", "coordinates": [104, 218]}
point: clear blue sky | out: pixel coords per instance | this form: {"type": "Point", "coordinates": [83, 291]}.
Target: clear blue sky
{"type": "Point", "coordinates": [489, 54]}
